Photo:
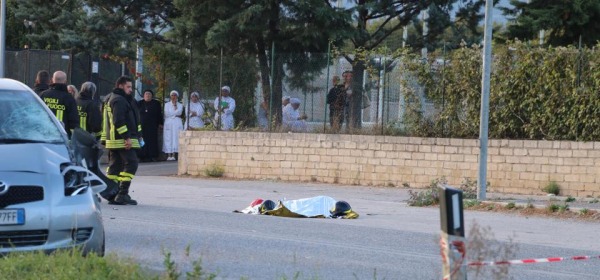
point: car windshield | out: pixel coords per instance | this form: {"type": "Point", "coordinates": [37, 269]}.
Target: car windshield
{"type": "Point", "coordinates": [24, 120]}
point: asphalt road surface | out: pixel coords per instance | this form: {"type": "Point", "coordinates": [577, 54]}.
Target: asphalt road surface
{"type": "Point", "coordinates": [390, 240]}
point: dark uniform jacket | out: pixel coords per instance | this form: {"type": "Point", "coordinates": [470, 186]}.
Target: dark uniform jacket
{"type": "Point", "coordinates": [63, 105]}
{"type": "Point", "coordinates": [39, 88]}
{"type": "Point", "coordinates": [120, 121]}
{"type": "Point", "coordinates": [90, 117]}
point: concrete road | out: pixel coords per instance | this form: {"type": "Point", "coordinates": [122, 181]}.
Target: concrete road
{"type": "Point", "coordinates": [390, 240]}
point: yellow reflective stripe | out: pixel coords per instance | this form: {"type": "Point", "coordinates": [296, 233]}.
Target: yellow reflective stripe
{"type": "Point", "coordinates": [139, 127]}
{"type": "Point", "coordinates": [113, 177]}
{"type": "Point", "coordinates": [83, 123]}
{"type": "Point", "coordinates": [120, 144]}
{"type": "Point", "coordinates": [122, 129]}
{"type": "Point", "coordinates": [125, 174]}
{"type": "Point", "coordinates": [59, 115]}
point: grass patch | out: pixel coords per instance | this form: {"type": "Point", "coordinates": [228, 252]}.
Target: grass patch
{"type": "Point", "coordinates": [70, 264]}
{"type": "Point", "coordinates": [570, 199]}
{"type": "Point", "coordinates": [552, 188]}
{"type": "Point", "coordinates": [215, 169]}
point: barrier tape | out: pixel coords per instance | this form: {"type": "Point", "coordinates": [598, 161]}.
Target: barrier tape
{"type": "Point", "coordinates": [528, 261]}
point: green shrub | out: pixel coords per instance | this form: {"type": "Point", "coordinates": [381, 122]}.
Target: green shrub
{"type": "Point", "coordinates": [553, 207]}
{"type": "Point", "coordinates": [570, 199]}
{"type": "Point", "coordinates": [552, 188]}
{"type": "Point", "coordinates": [510, 205]}
{"type": "Point", "coordinates": [214, 170]}
{"type": "Point", "coordinates": [584, 211]}
{"type": "Point", "coordinates": [428, 197]}
{"type": "Point", "coordinates": [468, 203]}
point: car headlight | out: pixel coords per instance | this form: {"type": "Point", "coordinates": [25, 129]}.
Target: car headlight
{"type": "Point", "coordinates": [77, 179]}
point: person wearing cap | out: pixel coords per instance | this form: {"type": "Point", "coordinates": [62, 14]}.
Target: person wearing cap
{"type": "Point", "coordinates": [151, 118]}
{"type": "Point", "coordinates": [225, 105]}
{"type": "Point", "coordinates": [292, 119]}
{"type": "Point", "coordinates": [173, 124]}
{"type": "Point", "coordinates": [195, 113]}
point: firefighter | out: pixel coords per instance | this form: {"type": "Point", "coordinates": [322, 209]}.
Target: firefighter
{"type": "Point", "coordinates": [61, 103]}
{"type": "Point", "coordinates": [90, 117]}
{"type": "Point", "coordinates": [121, 135]}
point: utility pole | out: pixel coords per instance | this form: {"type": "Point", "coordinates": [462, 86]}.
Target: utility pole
{"type": "Point", "coordinates": [2, 36]}
{"type": "Point", "coordinates": [485, 102]}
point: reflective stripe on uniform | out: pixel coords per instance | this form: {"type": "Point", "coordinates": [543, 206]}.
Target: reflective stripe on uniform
{"type": "Point", "coordinates": [122, 129]}
{"type": "Point", "coordinates": [59, 115]}
{"type": "Point", "coordinates": [83, 123]}
{"type": "Point", "coordinates": [113, 177]}
{"type": "Point", "coordinates": [120, 144]}
{"type": "Point", "coordinates": [126, 177]}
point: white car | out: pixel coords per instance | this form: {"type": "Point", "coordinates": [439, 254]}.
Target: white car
{"type": "Point", "coordinates": [48, 197]}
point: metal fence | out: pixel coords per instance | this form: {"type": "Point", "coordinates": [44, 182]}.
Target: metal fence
{"type": "Point", "coordinates": [23, 66]}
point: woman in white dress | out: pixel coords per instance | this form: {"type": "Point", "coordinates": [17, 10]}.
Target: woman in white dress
{"type": "Point", "coordinates": [173, 124]}
{"type": "Point", "coordinates": [195, 113]}
{"type": "Point", "coordinates": [225, 109]}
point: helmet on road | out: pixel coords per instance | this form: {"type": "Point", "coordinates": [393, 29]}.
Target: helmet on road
{"type": "Point", "coordinates": [267, 205]}
{"type": "Point", "coordinates": [341, 208]}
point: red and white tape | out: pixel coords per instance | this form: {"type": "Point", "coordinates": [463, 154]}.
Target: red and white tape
{"type": "Point", "coordinates": [528, 261]}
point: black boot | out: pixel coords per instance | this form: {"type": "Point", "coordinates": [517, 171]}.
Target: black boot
{"type": "Point", "coordinates": [123, 197]}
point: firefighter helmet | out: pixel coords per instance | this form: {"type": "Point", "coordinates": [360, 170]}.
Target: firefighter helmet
{"type": "Point", "coordinates": [341, 208]}
{"type": "Point", "coordinates": [267, 205]}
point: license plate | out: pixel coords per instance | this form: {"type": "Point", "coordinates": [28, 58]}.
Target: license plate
{"type": "Point", "coordinates": [12, 217]}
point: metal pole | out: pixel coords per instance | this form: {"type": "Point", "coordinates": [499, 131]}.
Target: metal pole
{"type": "Point", "coordinates": [485, 102]}
{"type": "Point", "coordinates": [2, 36]}
{"type": "Point", "coordinates": [220, 86]}
{"type": "Point", "coordinates": [187, 117]}
{"type": "Point", "coordinates": [272, 83]}
{"type": "Point", "coordinates": [326, 88]}
{"type": "Point", "coordinates": [139, 68]}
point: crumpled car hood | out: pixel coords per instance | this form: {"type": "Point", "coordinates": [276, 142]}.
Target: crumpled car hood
{"type": "Point", "coordinates": [36, 158]}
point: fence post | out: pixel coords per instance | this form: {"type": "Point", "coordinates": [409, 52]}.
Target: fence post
{"type": "Point", "coordinates": [452, 240]}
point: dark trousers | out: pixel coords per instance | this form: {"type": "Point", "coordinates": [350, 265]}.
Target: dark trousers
{"type": "Point", "coordinates": [122, 165]}
{"type": "Point", "coordinates": [336, 118]}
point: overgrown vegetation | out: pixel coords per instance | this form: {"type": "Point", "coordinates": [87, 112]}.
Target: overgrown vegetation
{"type": "Point", "coordinates": [536, 93]}
{"type": "Point", "coordinates": [552, 188]}
{"type": "Point", "coordinates": [70, 264]}
{"type": "Point", "coordinates": [215, 169]}
{"type": "Point", "coordinates": [430, 196]}
{"type": "Point", "coordinates": [482, 246]}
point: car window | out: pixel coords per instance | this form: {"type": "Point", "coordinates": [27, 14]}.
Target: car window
{"type": "Point", "coordinates": [22, 117]}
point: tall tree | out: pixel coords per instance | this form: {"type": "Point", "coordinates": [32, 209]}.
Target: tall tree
{"type": "Point", "coordinates": [94, 25]}
{"type": "Point", "coordinates": [389, 16]}
{"type": "Point", "coordinates": [252, 27]}
{"type": "Point", "coordinates": [563, 21]}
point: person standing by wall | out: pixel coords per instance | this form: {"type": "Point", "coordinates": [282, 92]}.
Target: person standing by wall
{"type": "Point", "coordinates": [90, 117]}
{"type": "Point", "coordinates": [336, 100]}
{"type": "Point", "coordinates": [61, 103]}
{"type": "Point", "coordinates": [151, 118]}
{"type": "Point", "coordinates": [225, 109]}
{"type": "Point", "coordinates": [121, 134]}
{"type": "Point", "coordinates": [173, 125]}
{"type": "Point", "coordinates": [195, 114]}
{"type": "Point", "coordinates": [347, 88]}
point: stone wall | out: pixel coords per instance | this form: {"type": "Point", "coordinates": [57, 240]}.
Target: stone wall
{"type": "Point", "coordinates": [514, 166]}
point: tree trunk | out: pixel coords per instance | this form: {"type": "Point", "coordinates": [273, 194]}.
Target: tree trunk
{"type": "Point", "coordinates": [357, 92]}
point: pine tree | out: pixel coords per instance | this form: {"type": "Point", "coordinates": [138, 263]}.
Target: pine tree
{"type": "Point", "coordinates": [563, 21]}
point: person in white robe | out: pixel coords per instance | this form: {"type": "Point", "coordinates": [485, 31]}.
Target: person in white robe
{"type": "Point", "coordinates": [172, 126]}
{"type": "Point", "coordinates": [195, 112]}
{"type": "Point", "coordinates": [292, 119]}
{"type": "Point", "coordinates": [285, 101]}
{"type": "Point", "coordinates": [224, 115]}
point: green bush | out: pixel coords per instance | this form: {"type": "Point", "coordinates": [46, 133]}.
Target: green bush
{"type": "Point", "coordinates": [214, 170]}
{"type": "Point", "coordinates": [552, 188]}
{"type": "Point", "coordinates": [428, 197]}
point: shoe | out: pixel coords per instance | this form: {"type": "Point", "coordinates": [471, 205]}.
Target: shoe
{"type": "Point", "coordinates": [123, 199]}
{"type": "Point", "coordinates": [171, 158]}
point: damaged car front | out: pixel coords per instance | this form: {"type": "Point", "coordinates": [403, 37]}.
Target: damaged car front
{"type": "Point", "coordinates": [48, 199]}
